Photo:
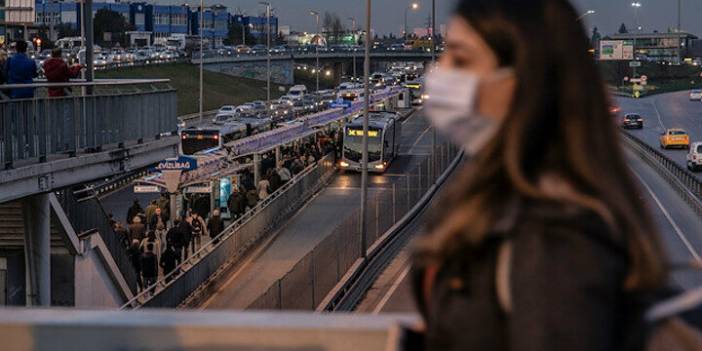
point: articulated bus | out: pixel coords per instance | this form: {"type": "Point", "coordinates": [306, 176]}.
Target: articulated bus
{"type": "Point", "coordinates": [384, 134]}
{"type": "Point", "coordinates": [195, 141]}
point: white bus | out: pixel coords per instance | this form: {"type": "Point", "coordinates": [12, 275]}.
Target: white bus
{"type": "Point", "coordinates": [384, 134]}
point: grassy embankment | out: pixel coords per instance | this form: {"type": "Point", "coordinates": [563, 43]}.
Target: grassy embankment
{"type": "Point", "coordinates": [661, 78]}
{"type": "Point", "coordinates": [219, 89]}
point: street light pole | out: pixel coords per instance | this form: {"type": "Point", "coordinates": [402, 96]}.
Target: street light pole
{"type": "Point", "coordinates": [353, 29]}
{"type": "Point", "coordinates": [636, 5]}
{"type": "Point", "coordinates": [268, 56]}
{"type": "Point", "coordinates": [316, 47]}
{"type": "Point", "coordinates": [412, 6]}
{"type": "Point", "coordinates": [366, 109]}
{"type": "Point", "coordinates": [202, 57]}
{"type": "Point", "coordinates": [433, 62]}
{"type": "Point", "coordinates": [587, 13]}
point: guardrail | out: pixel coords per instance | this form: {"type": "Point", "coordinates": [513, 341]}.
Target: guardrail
{"type": "Point", "coordinates": [377, 54]}
{"type": "Point", "coordinates": [682, 180]}
{"type": "Point", "coordinates": [118, 112]}
{"type": "Point", "coordinates": [308, 284]}
{"type": "Point", "coordinates": [215, 256]}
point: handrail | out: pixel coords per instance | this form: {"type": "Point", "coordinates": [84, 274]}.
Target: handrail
{"type": "Point", "coordinates": [84, 83]}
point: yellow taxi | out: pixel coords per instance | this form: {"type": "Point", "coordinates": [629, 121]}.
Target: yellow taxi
{"type": "Point", "coordinates": [675, 137]}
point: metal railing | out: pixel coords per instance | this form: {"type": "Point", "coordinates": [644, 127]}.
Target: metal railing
{"type": "Point", "coordinates": [215, 57]}
{"type": "Point", "coordinates": [685, 183]}
{"type": "Point", "coordinates": [116, 113]}
{"type": "Point", "coordinates": [235, 240]}
{"type": "Point", "coordinates": [307, 284]}
{"type": "Point", "coordinates": [86, 214]}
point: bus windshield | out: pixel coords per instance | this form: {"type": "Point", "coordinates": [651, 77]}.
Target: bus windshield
{"type": "Point", "coordinates": [353, 144]}
{"type": "Point", "coordinates": [195, 141]}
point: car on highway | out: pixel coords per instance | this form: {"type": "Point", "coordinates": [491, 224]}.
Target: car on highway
{"type": "Point", "coordinates": [259, 49]}
{"type": "Point", "coordinates": [227, 109]}
{"type": "Point", "coordinates": [695, 95]}
{"type": "Point", "coordinates": [632, 121]}
{"type": "Point", "coordinates": [242, 49]}
{"type": "Point", "coordinates": [675, 138]}
{"type": "Point", "coordinates": [223, 117]}
{"type": "Point", "coordinates": [694, 157]}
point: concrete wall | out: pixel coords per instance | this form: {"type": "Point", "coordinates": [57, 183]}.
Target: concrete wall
{"type": "Point", "coordinates": [281, 71]}
{"type": "Point", "coordinates": [94, 287]}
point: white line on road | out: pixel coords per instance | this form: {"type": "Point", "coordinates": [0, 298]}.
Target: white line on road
{"type": "Point", "coordinates": [667, 215]}
{"type": "Point", "coordinates": [658, 113]}
{"type": "Point", "coordinates": [390, 292]}
{"type": "Point", "coordinates": [419, 139]}
{"type": "Point", "coordinates": [416, 112]}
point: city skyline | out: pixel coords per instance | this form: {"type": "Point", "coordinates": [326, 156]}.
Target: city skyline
{"type": "Point", "coordinates": [388, 18]}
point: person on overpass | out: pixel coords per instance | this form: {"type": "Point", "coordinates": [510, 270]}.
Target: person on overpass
{"type": "Point", "coordinates": [20, 69]}
{"type": "Point", "coordinates": [215, 225]}
{"type": "Point", "coordinates": [3, 60]}
{"type": "Point", "coordinates": [57, 71]}
{"type": "Point", "coordinates": [174, 239]}
{"type": "Point", "coordinates": [541, 241]}
{"type": "Point", "coordinates": [133, 211]}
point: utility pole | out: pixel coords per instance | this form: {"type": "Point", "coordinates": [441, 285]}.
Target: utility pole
{"type": "Point", "coordinates": [433, 63]}
{"type": "Point", "coordinates": [316, 47]}
{"type": "Point", "coordinates": [268, 54]}
{"type": "Point", "coordinates": [353, 29]}
{"type": "Point", "coordinates": [366, 109]}
{"type": "Point", "coordinates": [202, 58]}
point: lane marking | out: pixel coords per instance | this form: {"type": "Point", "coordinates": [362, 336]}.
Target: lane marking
{"type": "Point", "coordinates": [421, 136]}
{"type": "Point", "coordinates": [416, 112]}
{"type": "Point", "coordinates": [390, 292]}
{"type": "Point", "coordinates": [667, 215]}
{"type": "Point", "coordinates": [658, 113]}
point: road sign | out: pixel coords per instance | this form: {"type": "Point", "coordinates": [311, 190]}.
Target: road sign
{"type": "Point", "coordinates": [634, 63]}
{"type": "Point", "coordinates": [182, 163]}
{"type": "Point", "coordinates": [616, 50]}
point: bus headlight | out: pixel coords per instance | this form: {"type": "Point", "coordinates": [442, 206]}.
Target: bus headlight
{"type": "Point", "coordinates": [425, 97]}
{"type": "Point", "coordinates": [344, 164]}
{"type": "Point", "coordinates": [381, 166]}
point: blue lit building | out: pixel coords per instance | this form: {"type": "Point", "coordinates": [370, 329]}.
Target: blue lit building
{"type": "Point", "coordinates": [168, 20]}
{"type": "Point", "coordinates": [216, 24]}
{"type": "Point", "coordinates": [258, 25]}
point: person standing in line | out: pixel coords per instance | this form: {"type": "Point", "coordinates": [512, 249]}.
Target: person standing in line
{"type": "Point", "coordinates": [57, 71]}
{"type": "Point", "coordinates": [133, 211]}
{"type": "Point", "coordinates": [264, 187]}
{"type": "Point", "coordinates": [137, 230]}
{"type": "Point", "coordinates": [284, 174]}
{"type": "Point", "coordinates": [3, 61]}
{"type": "Point", "coordinates": [149, 266]}
{"type": "Point", "coordinates": [20, 69]}
{"type": "Point", "coordinates": [149, 211]}
{"type": "Point", "coordinates": [135, 258]}
{"type": "Point", "coordinates": [274, 179]}
{"type": "Point", "coordinates": [215, 225]}
{"type": "Point", "coordinates": [174, 240]}
{"type": "Point", "coordinates": [168, 262]}
{"type": "Point", "coordinates": [151, 239]}
{"type": "Point", "coordinates": [541, 241]}
{"type": "Point", "coordinates": [158, 225]}
{"type": "Point", "coordinates": [199, 230]}
{"type": "Point", "coordinates": [186, 234]}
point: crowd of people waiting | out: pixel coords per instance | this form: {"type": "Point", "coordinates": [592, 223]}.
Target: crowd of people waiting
{"type": "Point", "coordinates": [152, 242]}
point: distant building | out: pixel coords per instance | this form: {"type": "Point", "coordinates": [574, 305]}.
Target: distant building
{"type": "Point", "coordinates": [257, 25]}
{"type": "Point", "coordinates": [659, 47]}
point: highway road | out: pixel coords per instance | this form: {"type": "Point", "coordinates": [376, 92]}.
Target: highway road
{"type": "Point", "coordinates": [678, 225]}
{"type": "Point", "coordinates": [672, 110]}
{"type": "Point", "coordinates": [314, 222]}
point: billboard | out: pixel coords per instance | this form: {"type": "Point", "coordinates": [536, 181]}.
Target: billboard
{"type": "Point", "coordinates": [19, 11]}
{"type": "Point", "coordinates": [616, 50]}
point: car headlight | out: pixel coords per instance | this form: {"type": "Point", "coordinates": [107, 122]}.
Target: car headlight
{"type": "Point", "coordinates": [344, 164]}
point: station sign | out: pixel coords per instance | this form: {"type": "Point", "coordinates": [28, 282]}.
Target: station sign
{"type": "Point", "coordinates": [143, 189]}
{"type": "Point", "coordinates": [182, 163]}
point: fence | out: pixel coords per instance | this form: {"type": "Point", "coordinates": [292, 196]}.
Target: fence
{"type": "Point", "coordinates": [682, 180]}
{"type": "Point", "coordinates": [236, 240]}
{"type": "Point", "coordinates": [314, 276]}
{"type": "Point", "coordinates": [118, 111]}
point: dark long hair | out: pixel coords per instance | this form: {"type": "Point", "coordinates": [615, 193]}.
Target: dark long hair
{"type": "Point", "coordinates": [559, 123]}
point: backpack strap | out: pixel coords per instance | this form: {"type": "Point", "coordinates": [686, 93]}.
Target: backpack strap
{"type": "Point", "coordinates": [503, 271]}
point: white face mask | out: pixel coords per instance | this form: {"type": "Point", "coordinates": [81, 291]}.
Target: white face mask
{"type": "Point", "coordinates": [451, 107]}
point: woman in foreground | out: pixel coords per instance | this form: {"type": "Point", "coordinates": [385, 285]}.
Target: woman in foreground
{"type": "Point", "coordinates": [542, 242]}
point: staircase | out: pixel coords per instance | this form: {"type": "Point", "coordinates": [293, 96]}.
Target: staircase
{"type": "Point", "coordinates": [12, 228]}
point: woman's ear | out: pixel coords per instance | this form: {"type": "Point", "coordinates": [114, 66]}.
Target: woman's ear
{"type": "Point", "coordinates": [496, 96]}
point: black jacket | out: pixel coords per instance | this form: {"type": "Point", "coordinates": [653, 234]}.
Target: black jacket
{"type": "Point", "coordinates": [566, 285]}
{"type": "Point", "coordinates": [215, 226]}
{"type": "Point", "coordinates": [149, 265]}
{"type": "Point", "coordinates": [168, 261]}
{"type": "Point", "coordinates": [174, 237]}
